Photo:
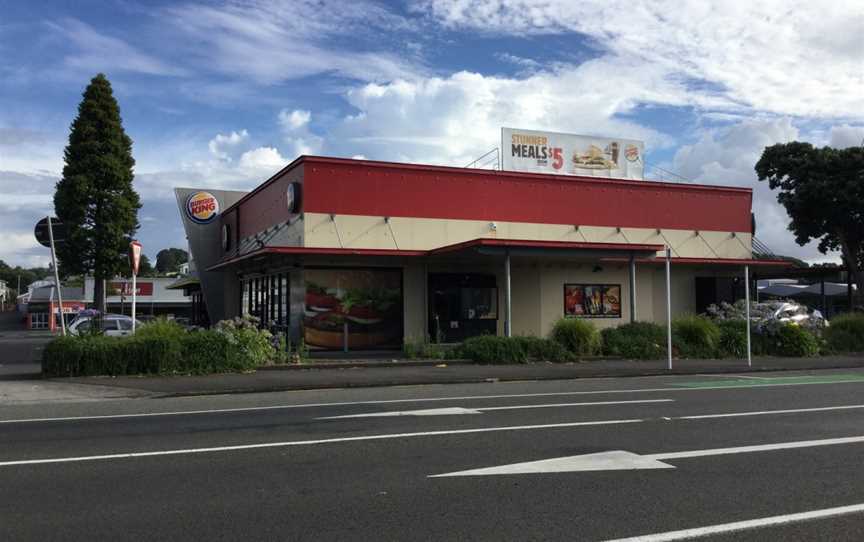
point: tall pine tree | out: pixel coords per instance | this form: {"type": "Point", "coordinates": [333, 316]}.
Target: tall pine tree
{"type": "Point", "coordinates": [95, 198]}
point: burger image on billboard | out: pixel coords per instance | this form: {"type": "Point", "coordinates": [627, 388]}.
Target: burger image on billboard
{"type": "Point", "coordinates": [202, 207]}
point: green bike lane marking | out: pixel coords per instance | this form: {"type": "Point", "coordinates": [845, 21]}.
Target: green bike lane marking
{"type": "Point", "coordinates": [770, 381]}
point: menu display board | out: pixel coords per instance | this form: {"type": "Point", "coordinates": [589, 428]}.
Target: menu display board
{"type": "Point", "coordinates": [569, 154]}
{"type": "Point", "coordinates": [592, 300]}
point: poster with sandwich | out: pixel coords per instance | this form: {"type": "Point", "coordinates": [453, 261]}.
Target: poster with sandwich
{"type": "Point", "coordinates": [362, 306]}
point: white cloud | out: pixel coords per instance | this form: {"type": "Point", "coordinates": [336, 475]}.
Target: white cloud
{"type": "Point", "coordinates": [727, 156]}
{"type": "Point", "coordinates": [100, 52]}
{"type": "Point", "coordinates": [294, 120]}
{"type": "Point", "coordinates": [455, 119]}
{"type": "Point", "coordinates": [265, 160]}
{"type": "Point", "coordinates": [298, 135]}
{"type": "Point", "coordinates": [289, 39]}
{"type": "Point", "coordinates": [846, 136]}
{"type": "Point", "coordinates": [221, 144]}
{"type": "Point", "coordinates": [786, 57]}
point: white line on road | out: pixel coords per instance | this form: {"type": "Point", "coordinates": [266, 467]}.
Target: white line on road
{"type": "Point", "coordinates": [785, 519]}
{"type": "Point", "coordinates": [767, 412]}
{"type": "Point", "coordinates": [624, 460]}
{"type": "Point", "coordinates": [452, 411]}
{"type": "Point", "coordinates": [420, 400]}
{"type": "Point", "coordinates": [308, 442]}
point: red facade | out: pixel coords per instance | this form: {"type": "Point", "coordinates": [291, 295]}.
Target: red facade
{"type": "Point", "coordinates": [359, 187]}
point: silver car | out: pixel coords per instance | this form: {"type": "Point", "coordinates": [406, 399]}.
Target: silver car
{"type": "Point", "coordinates": [113, 325]}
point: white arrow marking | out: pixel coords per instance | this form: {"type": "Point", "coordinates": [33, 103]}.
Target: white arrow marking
{"type": "Point", "coordinates": [450, 411]}
{"type": "Point", "coordinates": [622, 460]}
{"type": "Point", "coordinates": [688, 534]}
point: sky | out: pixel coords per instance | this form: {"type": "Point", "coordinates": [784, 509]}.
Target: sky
{"type": "Point", "coordinates": [223, 93]}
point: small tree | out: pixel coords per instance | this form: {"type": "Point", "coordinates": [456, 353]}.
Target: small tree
{"type": "Point", "coordinates": [823, 192]}
{"type": "Point", "coordinates": [168, 260]}
{"type": "Point", "coordinates": [95, 198]}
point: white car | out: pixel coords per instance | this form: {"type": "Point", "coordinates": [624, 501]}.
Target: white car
{"type": "Point", "coordinates": [113, 325]}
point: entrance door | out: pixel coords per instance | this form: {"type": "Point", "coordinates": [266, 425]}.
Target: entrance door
{"type": "Point", "coordinates": [462, 306]}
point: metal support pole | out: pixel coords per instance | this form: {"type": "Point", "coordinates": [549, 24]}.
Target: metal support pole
{"type": "Point", "coordinates": [56, 277]}
{"type": "Point", "coordinates": [747, 312]}
{"type": "Point", "coordinates": [508, 313]}
{"type": "Point", "coordinates": [632, 288]}
{"type": "Point", "coordinates": [134, 298]}
{"type": "Point", "coordinates": [669, 306]}
{"type": "Point", "coordinates": [822, 294]}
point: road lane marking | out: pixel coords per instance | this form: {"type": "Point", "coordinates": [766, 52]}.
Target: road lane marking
{"type": "Point", "coordinates": [768, 412]}
{"type": "Point", "coordinates": [624, 460]}
{"type": "Point", "coordinates": [785, 519]}
{"type": "Point", "coordinates": [418, 400]}
{"type": "Point", "coordinates": [310, 442]}
{"type": "Point", "coordinates": [451, 411]}
{"type": "Point", "coordinates": [773, 381]}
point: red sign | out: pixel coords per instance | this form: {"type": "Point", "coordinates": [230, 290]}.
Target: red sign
{"type": "Point", "coordinates": [134, 256]}
{"type": "Point", "coordinates": [125, 288]}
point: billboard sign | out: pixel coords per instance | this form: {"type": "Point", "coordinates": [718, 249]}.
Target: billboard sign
{"type": "Point", "coordinates": [124, 289]}
{"type": "Point", "coordinates": [568, 154]}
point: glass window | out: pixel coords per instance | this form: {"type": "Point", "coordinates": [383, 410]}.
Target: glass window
{"type": "Point", "coordinates": [479, 303]}
{"type": "Point", "coordinates": [109, 325]}
{"type": "Point", "coordinates": [125, 325]}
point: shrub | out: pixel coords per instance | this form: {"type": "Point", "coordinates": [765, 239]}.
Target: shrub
{"type": "Point", "coordinates": [578, 336]}
{"type": "Point", "coordinates": [426, 350]}
{"type": "Point", "coordinates": [795, 341]}
{"type": "Point", "coordinates": [695, 336]}
{"type": "Point", "coordinates": [160, 349]}
{"type": "Point", "coordinates": [253, 345]}
{"type": "Point", "coordinates": [493, 349]}
{"type": "Point", "coordinates": [846, 333]}
{"type": "Point", "coordinates": [733, 339]}
{"type": "Point", "coordinates": [637, 340]}
{"type": "Point", "coordinates": [161, 327]}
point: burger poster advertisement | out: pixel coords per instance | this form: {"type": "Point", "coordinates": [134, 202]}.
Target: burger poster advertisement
{"type": "Point", "coordinates": [568, 154]}
{"type": "Point", "coordinates": [592, 300]}
{"type": "Point", "coordinates": [362, 305]}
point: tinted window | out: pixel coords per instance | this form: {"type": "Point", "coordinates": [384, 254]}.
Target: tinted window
{"type": "Point", "coordinates": [109, 325]}
{"type": "Point", "coordinates": [125, 325]}
{"type": "Point", "coordinates": [83, 326]}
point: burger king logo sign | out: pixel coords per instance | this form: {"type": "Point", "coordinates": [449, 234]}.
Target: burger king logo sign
{"type": "Point", "coordinates": [202, 207]}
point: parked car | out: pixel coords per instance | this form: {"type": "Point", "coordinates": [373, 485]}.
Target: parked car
{"type": "Point", "coordinates": [113, 325]}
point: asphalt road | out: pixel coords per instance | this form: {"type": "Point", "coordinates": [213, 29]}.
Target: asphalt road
{"type": "Point", "coordinates": [202, 474]}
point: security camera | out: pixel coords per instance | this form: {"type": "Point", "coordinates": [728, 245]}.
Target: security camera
{"type": "Point", "coordinates": [493, 226]}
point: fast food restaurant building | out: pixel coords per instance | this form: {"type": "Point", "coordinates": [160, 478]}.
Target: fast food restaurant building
{"type": "Point", "coordinates": [356, 254]}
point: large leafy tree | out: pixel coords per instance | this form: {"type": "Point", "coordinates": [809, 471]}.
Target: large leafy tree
{"type": "Point", "coordinates": [822, 189]}
{"type": "Point", "coordinates": [95, 198]}
{"type": "Point", "coordinates": [168, 260]}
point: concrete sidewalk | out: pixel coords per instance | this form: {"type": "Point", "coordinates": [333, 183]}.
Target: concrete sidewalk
{"type": "Point", "coordinates": [308, 379]}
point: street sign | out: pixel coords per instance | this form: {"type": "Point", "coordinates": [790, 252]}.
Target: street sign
{"type": "Point", "coordinates": [44, 237]}
{"type": "Point", "coordinates": [134, 256]}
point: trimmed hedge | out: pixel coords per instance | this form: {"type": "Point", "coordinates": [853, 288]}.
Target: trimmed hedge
{"type": "Point", "coordinates": [639, 340]}
{"type": "Point", "coordinates": [695, 336]}
{"type": "Point", "coordinates": [845, 333]}
{"type": "Point", "coordinates": [580, 337]}
{"type": "Point", "coordinates": [494, 349]}
{"type": "Point", "coordinates": [199, 352]}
